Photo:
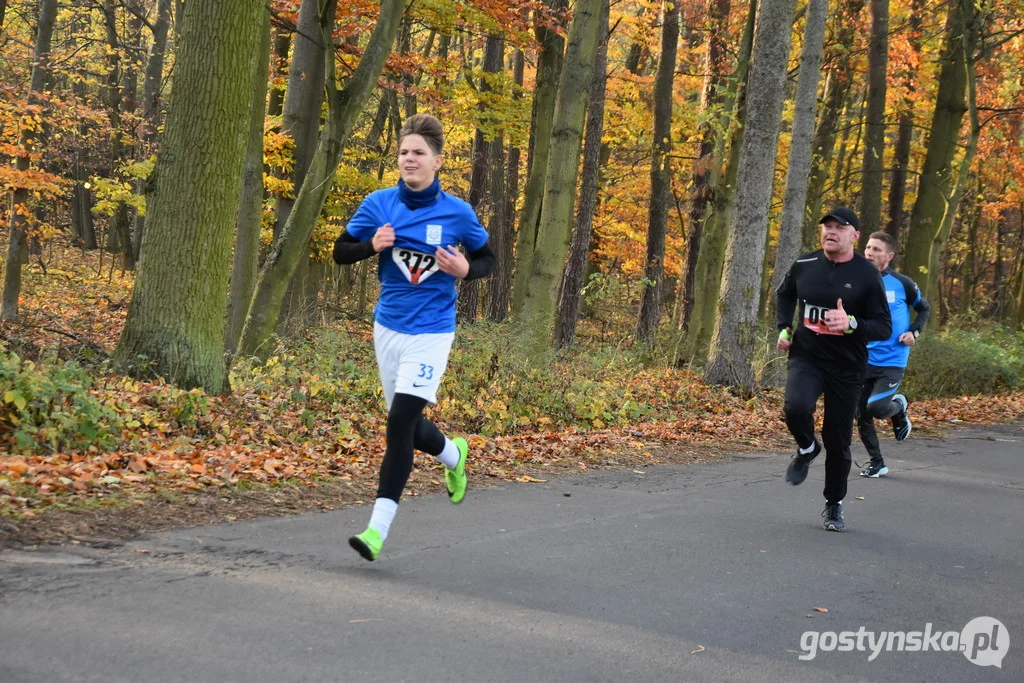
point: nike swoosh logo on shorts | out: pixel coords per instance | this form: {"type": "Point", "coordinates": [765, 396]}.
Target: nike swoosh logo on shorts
{"type": "Point", "coordinates": [890, 386]}
{"type": "Point", "coordinates": [420, 385]}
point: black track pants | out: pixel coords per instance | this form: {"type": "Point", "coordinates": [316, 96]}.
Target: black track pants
{"type": "Point", "coordinates": [407, 430]}
{"type": "Point", "coordinates": [806, 381]}
{"type": "Point", "coordinates": [880, 385]}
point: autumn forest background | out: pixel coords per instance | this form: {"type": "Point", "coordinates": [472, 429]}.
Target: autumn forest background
{"type": "Point", "coordinates": [172, 323]}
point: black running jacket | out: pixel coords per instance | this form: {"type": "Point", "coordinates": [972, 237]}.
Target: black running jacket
{"type": "Point", "coordinates": [812, 287]}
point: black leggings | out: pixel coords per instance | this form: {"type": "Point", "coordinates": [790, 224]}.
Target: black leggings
{"type": "Point", "coordinates": [807, 381]}
{"type": "Point", "coordinates": [407, 430]}
{"type": "Point", "coordinates": [880, 385]}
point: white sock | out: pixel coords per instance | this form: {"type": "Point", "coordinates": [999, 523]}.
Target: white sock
{"type": "Point", "coordinates": [384, 510]}
{"type": "Point", "coordinates": [805, 451]}
{"type": "Point", "coordinates": [449, 457]}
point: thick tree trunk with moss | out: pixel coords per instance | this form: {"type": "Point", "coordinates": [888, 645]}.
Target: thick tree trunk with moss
{"type": "Point", "coordinates": [579, 249]}
{"type": "Point", "coordinates": [661, 169]}
{"type": "Point", "coordinates": [732, 346]}
{"type": "Point", "coordinates": [549, 69]}
{"type": "Point", "coordinates": [799, 168]}
{"type": "Point", "coordinates": [293, 244]}
{"type": "Point", "coordinates": [17, 245]}
{"type": "Point", "coordinates": [250, 208]}
{"type": "Point", "coordinates": [176, 317]}
{"type": "Point", "coordinates": [936, 183]}
{"type": "Point", "coordinates": [553, 233]}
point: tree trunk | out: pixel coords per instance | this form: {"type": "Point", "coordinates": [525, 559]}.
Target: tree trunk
{"type": "Point", "coordinates": [560, 178]}
{"type": "Point", "coordinates": [971, 24]}
{"type": "Point", "coordinates": [282, 46]}
{"type": "Point", "coordinates": [388, 102]}
{"type": "Point", "coordinates": [907, 85]}
{"type": "Point", "coordinates": [293, 244]}
{"type": "Point", "coordinates": [176, 316]}
{"type": "Point", "coordinates": [504, 235]}
{"type": "Point", "coordinates": [250, 209]}
{"type": "Point", "coordinates": [661, 169]}
{"type": "Point", "coordinates": [549, 69]}
{"type": "Point", "coordinates": [151, 104]}
{"type": "Point", "coordinates": [301, 122]}
{"type": "Point", "coordinates": [935, 190]}
{"type": "Point", "coordinates": [710, 263]}
{"type": "Point", "coordinates": [572, 281]}
{"type": "Point", "coordinates": [304, 96]}
{"type": "Point", "coordinates": [481, 177]}
{"type": "Point", "coordinates": [81, 218]}
{"type": "Point", "coordinates": [870, 213]}
{"type": "Point", "coordinates": [704, 166]}
{"type": "Point", "coordinates": [17, 244]}
{"type": "Point", "coordinates": [799, 170]}
{"type": "Point", "coordinates": [735, 336]}
{"type": "Point", "coordinates": [837, 93]}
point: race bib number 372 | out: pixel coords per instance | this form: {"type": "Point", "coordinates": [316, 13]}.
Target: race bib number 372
{"type": "Point", "coordinates": [415, 265]}
{"type": "Point", "coordinates": [814, 319]}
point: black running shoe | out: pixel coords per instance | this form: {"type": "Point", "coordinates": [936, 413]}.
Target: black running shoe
{"type": "Point", "coordinates": [798, 466]}
{"type": "Point", "coordinates": [875, 470]}
{"type": "Point", "coordinates": [833, 515]}
{"type": "Point", "coordinates": [900, 421]}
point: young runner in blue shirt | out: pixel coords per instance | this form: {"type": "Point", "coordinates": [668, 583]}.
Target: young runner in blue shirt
{"type": "Point", "coordinates": [887, 359]}
{"type": "Point", "coordinates": [415, 228]}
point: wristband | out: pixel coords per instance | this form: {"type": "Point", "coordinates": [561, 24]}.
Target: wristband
{"type": "Point", "coordinates": [784, 334]}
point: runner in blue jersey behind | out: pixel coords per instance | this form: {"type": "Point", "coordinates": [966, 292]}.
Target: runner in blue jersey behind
{"type": "Point", "coordinates": [887, 360]}
{"type": "Point", "coordinates": [416, 228]}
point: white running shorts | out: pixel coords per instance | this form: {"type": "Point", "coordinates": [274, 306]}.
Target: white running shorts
{"type": "Point", "coordinates": [411, 363]}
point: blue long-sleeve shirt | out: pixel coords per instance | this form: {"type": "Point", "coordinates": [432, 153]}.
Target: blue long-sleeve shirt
{"type": "Point", "coordinates": [903, 295]}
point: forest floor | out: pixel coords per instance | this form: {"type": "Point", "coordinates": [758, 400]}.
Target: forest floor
{"type": "Point", "coordinates": [244, 456]}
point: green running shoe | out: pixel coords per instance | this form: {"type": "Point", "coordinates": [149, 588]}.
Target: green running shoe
{"type": "Point", "coordinates": [456, 479]}
{"type": "Point", "coordinates": [367, 544]}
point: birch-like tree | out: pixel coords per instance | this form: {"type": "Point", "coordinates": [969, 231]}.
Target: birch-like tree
{"type": "Point", "coordinates": [732, 347]}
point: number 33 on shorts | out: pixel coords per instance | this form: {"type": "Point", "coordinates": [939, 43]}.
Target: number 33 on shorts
{"type": "Point", "coordinates": [426, 372]}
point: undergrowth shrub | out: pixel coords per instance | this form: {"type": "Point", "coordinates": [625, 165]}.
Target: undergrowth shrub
{"type": "Point", "coordinates": [49, 408]}
{"type": "Point", "coordinates": [963, 363]}
{"type": "Point", "coordinates": [492, 388]}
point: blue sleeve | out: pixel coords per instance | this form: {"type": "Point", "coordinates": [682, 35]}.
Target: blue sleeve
{"type": "Point", "coordinates": [365, 220]}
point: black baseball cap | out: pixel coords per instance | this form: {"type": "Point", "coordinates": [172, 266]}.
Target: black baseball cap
{"type": "Point", "coordinates": [843, 216]}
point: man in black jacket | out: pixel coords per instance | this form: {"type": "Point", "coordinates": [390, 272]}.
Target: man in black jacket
{"type": "Point", "coordinates": [842, 306]}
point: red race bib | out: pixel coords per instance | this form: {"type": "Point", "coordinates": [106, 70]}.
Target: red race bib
{"type": "Point", "coordinates": [814, 319]}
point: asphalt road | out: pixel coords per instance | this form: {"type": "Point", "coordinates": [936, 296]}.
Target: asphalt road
{"type": "Point", "coordinates": [715, 572]}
